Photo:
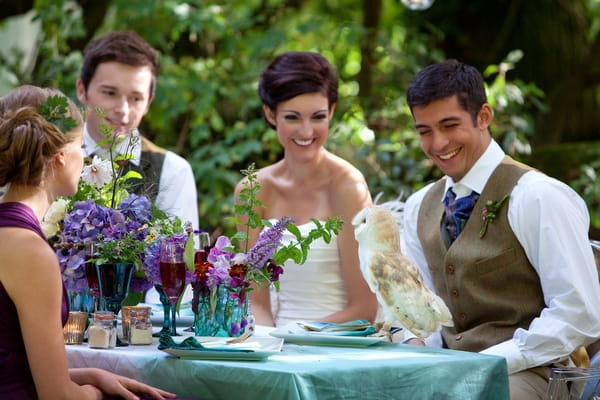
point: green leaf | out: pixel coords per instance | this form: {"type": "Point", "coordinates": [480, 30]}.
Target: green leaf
{"type": "Point", "coordinates": [131, 174]}
{"type": "Point", "coordinates": [293, 229]}
{"type": "Point", "coordinates": [189, 253]}
{"type": "Point", "coordinates": [55, 110]}
{"type": "Point", "coordinates": [133, 298]}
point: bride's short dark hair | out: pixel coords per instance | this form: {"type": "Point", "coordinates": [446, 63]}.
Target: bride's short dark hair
{"type": "Point", "coordinates": [294, 73]}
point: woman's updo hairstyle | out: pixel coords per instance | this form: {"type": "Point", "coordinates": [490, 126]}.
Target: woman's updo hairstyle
{"type": "Point", "coordinates": [294, 73]}
{"type": "Point", "coordinates": [27, 140]}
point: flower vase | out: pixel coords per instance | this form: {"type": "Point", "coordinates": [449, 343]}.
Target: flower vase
{"type": "Point", "coordinates": [219, 312]}
{"type": "Point", "coordinates": [113, 281]}
{"type": "Point", "coordinates": [80, 301]}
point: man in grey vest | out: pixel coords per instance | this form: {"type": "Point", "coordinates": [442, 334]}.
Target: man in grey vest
{"type": "Point", "coordinates": [504, 245]}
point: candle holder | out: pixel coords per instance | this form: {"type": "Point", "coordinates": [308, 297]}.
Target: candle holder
{"type": "Point", "coordinates": [75, 327]}
{"type": "Point", "coordinates": [126, 314]}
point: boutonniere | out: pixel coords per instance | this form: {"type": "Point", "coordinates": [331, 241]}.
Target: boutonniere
{"type": "Point", "coordinates": [490, 212]}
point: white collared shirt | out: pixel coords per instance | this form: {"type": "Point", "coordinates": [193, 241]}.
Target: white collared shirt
{"type": "Point", "coordinates": [551, 222]}
{"type": "Point", "coordinates": [177, 187]}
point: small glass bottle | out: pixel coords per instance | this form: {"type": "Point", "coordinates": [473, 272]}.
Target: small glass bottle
{"type": "Point", "coordinates": [140, 326]}
{"type": "Point", "coordinates": [102, 333]}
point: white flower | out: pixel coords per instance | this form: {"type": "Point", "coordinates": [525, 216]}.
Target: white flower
{"type": "Point", "coordinates": [99, 172]}
{"type": "Point", "coordinates": [56, 212]}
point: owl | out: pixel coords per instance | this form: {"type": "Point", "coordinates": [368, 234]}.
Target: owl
{"type": "Point", "coordinates": [393, 278]}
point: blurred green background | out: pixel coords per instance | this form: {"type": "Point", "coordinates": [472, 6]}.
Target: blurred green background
{"type": "Point", "coordinates": [539, 58]}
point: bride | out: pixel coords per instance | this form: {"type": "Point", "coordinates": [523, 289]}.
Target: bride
{"type": "Point", "coordinates": [298, 91]}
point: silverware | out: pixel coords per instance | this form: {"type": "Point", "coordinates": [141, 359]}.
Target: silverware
{"type": "Point", "coordinates": [242, 338]}
{"type": "Point", "coordinates": [326, 327]}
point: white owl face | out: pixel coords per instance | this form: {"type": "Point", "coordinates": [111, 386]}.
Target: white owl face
{"type": "Point", "coordinates": [376, 227]}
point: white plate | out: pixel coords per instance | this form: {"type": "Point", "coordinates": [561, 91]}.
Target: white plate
{"type": "Point", "coordinates": [253, 349]}
{"type": "Point", "coordinates": [321, 339]}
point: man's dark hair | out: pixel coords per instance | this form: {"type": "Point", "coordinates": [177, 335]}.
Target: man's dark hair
{"type": "Point", "coordinates": [125, 47]}
{"type": "Point", "coordinates": [446, 79]}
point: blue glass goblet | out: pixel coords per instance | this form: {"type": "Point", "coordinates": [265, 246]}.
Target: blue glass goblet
{"type": "Point", "coordinates": [114, 280]}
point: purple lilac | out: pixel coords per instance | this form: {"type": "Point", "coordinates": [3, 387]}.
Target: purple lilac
{"type": "Point", "coordinates": [267, 244]}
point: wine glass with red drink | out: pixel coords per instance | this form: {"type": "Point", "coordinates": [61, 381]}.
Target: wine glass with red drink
{"type": "Point", "coordinates": [203, 247]}
{"type": "Point", "coordinates": [172, 275]}
{"type": "Point", "coordinates": [91, 275]}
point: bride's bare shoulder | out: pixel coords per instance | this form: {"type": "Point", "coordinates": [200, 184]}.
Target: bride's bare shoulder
{"type": "Point", "coordinates": [344, 173]}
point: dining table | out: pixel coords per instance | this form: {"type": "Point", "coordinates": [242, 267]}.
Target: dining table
{"type": "Point", "coordinates": [310, 371]}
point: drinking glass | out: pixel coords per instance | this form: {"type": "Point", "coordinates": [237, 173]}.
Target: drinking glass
{"type": "Point", "coordinates": [200, 257]}
{"type": "Point", "coordinates": [91, 275]}
{"type": "Point", "coordinates": [113, 281]}
{"type": "Point", "coordinates": [203, 247]}
{"type": "Point", "coordinates": [172, 276]}
{"type": "Point", "coordinates": [573, 383]}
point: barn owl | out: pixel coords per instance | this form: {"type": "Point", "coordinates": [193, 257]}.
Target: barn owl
{"type": "Point", "coordinates": [395, 281]}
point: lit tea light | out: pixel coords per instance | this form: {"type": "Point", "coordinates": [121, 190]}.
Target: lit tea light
{"type": "Point", "coordinates": [75, 327]}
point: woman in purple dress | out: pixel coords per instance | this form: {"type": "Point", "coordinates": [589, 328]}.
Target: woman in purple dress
{"type": "Point", "coordinates": [38, 162]}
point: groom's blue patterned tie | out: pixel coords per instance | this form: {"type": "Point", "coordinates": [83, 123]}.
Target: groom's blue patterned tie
{"type": "Point", "coordinates": [457, 212]}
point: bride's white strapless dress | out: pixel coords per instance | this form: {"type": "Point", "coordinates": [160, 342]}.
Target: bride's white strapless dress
{"type": "Point", "coordinates": [312, 290]}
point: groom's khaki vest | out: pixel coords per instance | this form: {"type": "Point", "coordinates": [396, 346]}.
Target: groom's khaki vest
{"type": "Point", "coordinates": [488, 283]}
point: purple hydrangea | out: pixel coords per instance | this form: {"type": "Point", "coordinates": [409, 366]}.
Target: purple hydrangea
{"type": "Point", "coordinates": [136, 208]}
{"type": "Point", "coordinates": [151, 262]}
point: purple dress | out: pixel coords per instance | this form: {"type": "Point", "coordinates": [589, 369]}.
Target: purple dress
{"type": "Point", "coordinates": [16, 381]}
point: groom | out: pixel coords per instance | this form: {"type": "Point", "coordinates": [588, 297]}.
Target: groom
{"type": "Point", "coordinates": [519, 279]}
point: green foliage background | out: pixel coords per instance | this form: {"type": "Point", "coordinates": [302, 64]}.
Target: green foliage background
{"type": "Point", "coordinates": [212, 52]}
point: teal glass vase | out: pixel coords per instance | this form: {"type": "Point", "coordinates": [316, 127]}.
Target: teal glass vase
{"type": "Point", "coordinates": [220, 312]}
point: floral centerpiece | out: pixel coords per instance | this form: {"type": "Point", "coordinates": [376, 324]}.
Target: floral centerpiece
{"type": "Point", "coordinates": [221, 282]}
{"type": "Point", "coordinates": [125, 227]}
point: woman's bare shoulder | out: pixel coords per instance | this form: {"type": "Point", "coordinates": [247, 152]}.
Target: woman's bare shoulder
{"type": "Point", "coordinates": [23, 253]}
{"type": "Point", "coordinates": [344, 174]}
{"type": "Point", "coordinates": [348, 190]}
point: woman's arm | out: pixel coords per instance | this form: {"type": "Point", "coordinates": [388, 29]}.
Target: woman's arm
{"type": "Point", "coordinates": [349, 197]}
{"type": "Point", "coordinates": [116, 385]}
{"type": "Point", "coordinates": [31, 277]}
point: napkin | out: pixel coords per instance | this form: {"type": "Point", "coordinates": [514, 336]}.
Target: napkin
{"type": "Point", "coordinates": [190, 343]}
{"type": "Point", "coordinates": [359, 327]}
